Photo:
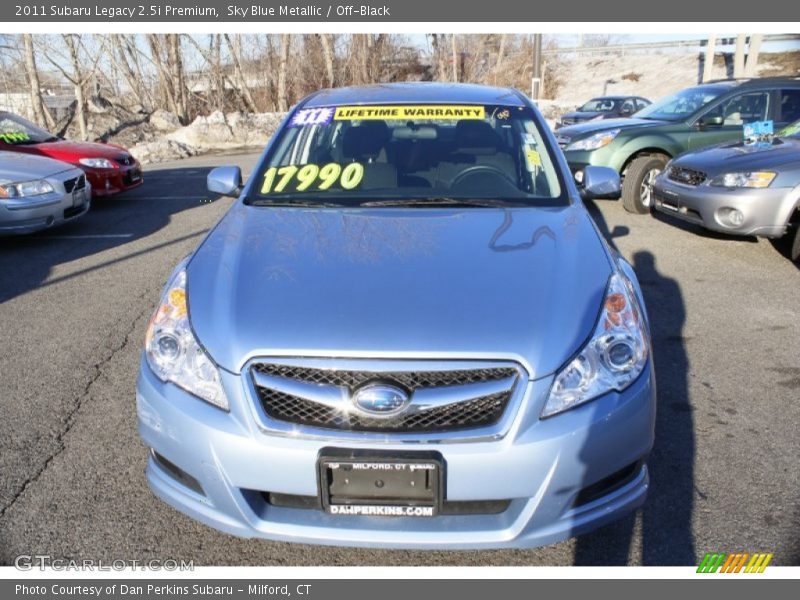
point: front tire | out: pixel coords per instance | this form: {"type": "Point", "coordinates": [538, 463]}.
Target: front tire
{"type": "Point", "coordinates": [793, 243]}
{"type": "Point", "coordinates": [637, 189]}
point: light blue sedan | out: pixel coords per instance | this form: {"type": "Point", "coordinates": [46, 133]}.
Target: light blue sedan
{"type": "Point", "coordinates": [406, 332]}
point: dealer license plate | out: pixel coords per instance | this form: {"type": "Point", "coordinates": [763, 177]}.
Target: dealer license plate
{"type": "Point", "coordinates": [381, 486]}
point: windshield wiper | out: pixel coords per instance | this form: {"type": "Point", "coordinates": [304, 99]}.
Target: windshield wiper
{"type": "Point", "coordinates": [433, 202]}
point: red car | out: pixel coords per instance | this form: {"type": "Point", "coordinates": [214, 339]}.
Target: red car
{"type": "Point", "coordinates": [109, 168]}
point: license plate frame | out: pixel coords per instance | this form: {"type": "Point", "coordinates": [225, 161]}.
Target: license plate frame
{"type": "Point", "coordinates": [79, 197]}
{"type": "Point", "coordinates": [411, 483]}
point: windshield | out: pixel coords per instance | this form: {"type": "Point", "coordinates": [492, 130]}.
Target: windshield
{"type": "Point", "coordinates": [791, 130]}
{"type": "Point", "coordinates": [371, 154]}
{"type": "Point", "coordinates": [16, 130]}
{"type": "Point", "coordinates": [599, 105]}
{"type": "Point", "coordinates": [681, 105]}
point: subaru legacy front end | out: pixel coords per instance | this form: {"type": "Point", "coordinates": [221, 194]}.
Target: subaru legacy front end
{"type": "Point", "coordinates": [406, 332]}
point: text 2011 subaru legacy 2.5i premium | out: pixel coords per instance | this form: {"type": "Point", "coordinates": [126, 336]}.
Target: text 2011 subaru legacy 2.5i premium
{"type": "Point", "coordinates": [406, 332]}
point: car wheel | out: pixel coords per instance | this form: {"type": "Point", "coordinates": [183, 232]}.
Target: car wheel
{"type": "Point", "coordinates": [793, 245]}
{"type": "Point", "coordinates": [637, 189]}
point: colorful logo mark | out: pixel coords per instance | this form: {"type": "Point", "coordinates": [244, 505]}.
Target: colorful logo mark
{"type": "Point", "coordinates": [739, 562]}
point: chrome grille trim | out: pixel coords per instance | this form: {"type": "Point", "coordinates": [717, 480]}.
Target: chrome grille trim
{"type": "Point", "coordinates": [686, 176]}
{"type": "Point", "coordinates": [498, 393]}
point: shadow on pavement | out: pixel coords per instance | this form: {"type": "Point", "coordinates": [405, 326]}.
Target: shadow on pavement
{"type": "Point", "coordinates": [666, 517]}
{"type": "Point", "coordinates": [27, 262]}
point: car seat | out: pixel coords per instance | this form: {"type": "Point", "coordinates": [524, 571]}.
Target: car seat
{"type": "Point", "coordinates": [366, 144]}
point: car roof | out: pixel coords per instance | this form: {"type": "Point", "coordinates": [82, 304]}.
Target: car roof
{"type": "Point", "coordinates": [613, 97]}
{"type": "Point", "coordinates": [416, 93]}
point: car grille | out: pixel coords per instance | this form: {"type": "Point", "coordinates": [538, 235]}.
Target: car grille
{"type": "Point", "coordinates": [124, 160]}
{"type": "Point", "coordinates": [76, 183]}
{"type": "Point", "coordinates": [482, 403]}
{"type": "Point", "coordinates": [686, 176]}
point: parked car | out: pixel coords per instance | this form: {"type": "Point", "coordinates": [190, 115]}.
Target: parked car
{"type": "Point", "coordinates": [109, 168]}
{"type": "Point", "coordinates": [737, 188]}
{"type": "Point", "coordinates": [603, 107]}
{"type": "Point", "coordinates": [406, 332]}
{"type": "Point", "coordinates": [38, 192]}
{"type": "Point", "coordinates": [638, 148]}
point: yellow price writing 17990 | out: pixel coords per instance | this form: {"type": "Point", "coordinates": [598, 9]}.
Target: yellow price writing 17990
{"type": "Point", "coordinates": [304, 177]}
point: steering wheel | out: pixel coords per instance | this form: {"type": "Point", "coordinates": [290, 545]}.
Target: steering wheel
{"type": "Point", "coordinates": [477, 170]}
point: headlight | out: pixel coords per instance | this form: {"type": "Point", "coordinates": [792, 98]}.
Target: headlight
{"type": "Point", "coordinates": [595, 141]}
{"type": "Point", "coordinates": [173, 352]}
{"type": "Point", "coordinates": [612, 359]}
{"type": "Point", "coordinates": [97, 163]}
{"type": "Point", "coordinates": [755, 179]}
{"type": "Point", "coordinates": [25, 189]}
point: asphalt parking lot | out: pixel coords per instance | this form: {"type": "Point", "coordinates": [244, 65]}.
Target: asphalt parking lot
{"type": "Point", "coordinates": [74, 303]}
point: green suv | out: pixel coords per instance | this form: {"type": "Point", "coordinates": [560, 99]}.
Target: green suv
{"type": "Point", "coordinates": [639, 147]}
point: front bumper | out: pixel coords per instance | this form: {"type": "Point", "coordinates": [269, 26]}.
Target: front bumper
{"type": "Point", "coordinates": [539, 465]}
{"type": "Point", "coordinates": [602, 157]}
{"type": "Point", "coordinates": [765, 212]}
{"type": "Point", "coordinates": [107, 182]}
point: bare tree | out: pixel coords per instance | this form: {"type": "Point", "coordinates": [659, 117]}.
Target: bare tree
{"type": "Point", "coordinates": [79, 71]}
{"type": "Point", "coordinates": [42, 115]}
{"type": "Point", "coordinates": [167, 57]}
{"type": "Point", "coordinates": [124, 57]}
{"type": "Point", "coordinates": [326, 40]}
{"type": "Point", "coordinates": [454, 57]}
{"type": "Point", "coordinates": [283, 94]}
{"type": "Point", "coordinates": [244, 90]}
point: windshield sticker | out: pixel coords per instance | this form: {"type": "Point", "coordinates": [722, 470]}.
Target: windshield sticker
{"type": "Point", "coordinates": [395, 113]}
{"type": "Point", "coordinates": [311, 116]}
{"type": "Point", "coordinates": [303, 177]}
{"type": "Point", "coordinates": [758, 133]}
{"type": "Point", "coordinates": [13, 137]}
{"type": "Point", "coordinates": [532, 159]}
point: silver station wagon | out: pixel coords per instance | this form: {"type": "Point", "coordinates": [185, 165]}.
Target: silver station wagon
{"type": "Point", "coordinates": [406, 332]}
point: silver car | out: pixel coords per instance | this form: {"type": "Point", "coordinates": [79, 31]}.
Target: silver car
{"type": "Point", "coordinates": [406, 332]}
{"type": "Point", "coordinates": [738, 189]}
{"type": "Point", "coordinates": [38, 192]}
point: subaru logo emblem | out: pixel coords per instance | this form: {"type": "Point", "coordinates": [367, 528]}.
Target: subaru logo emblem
{"type": "Point", "coordinates": [379, 399]}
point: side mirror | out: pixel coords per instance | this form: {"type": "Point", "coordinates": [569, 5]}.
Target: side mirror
{"type": "Point", "coordinates": [710, 121]}
{"type": "Point", "coordinates": [225, 180]}
{"type": "Point", "coordinates": [600, 182]}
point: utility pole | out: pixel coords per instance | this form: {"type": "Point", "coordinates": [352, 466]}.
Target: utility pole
{"type": "Point", "coordinates": [536, 79]}
{"type": "Point", "coordinates": [455, 58]}
{"type": "Point", "coordinates": [708, 62]}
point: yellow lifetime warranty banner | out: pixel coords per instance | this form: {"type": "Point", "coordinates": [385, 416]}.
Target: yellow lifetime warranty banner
{"type": "Point", "coordinates": [401, 112]}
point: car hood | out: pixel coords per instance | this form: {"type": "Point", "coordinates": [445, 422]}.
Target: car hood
{"type": "Point", "coordinates": [736, 156]}
{"type": "Point", "coordinates": [73, 151]}
{"type": "Point", "coordinates": [16, 167]}
{"type": "Point", "coordinates": [582, 129]}
{"type": "Point", "coordinates": [522, 283]}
